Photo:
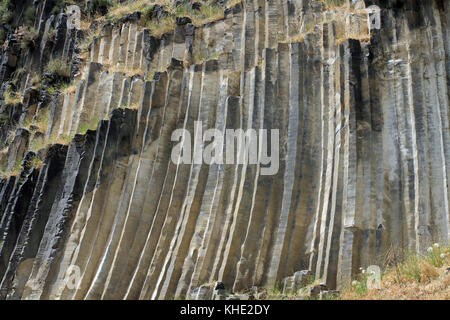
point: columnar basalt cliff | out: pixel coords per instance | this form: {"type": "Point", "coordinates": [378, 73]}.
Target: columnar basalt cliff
{"type": "Point", "coordinates": [90, 193]}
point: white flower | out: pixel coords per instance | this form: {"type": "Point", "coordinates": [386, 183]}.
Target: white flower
{"type": "Point", "coordinates": [430, 249]}
{"type": "Point", "coordinates": [360, 268]}
{"type": "Point", "coordinates": [436, 245]}
{"type": "Point", "coordinates": [354, 283]}
{"type": "Point", "coordinates": [364, 271]}
{"type": "Point", "coordinates": [442, 256]}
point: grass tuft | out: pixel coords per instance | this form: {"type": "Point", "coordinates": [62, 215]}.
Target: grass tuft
{"type": "Point", "coordinates": [417, 276]}
{"type": "Point", "coordinates": [11, 97]}
{"type": "Point", "coordinates": [58, 67]}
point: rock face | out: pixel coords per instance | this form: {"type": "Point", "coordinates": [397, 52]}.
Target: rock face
{"type": "Point", "coordinates": [363, 120]}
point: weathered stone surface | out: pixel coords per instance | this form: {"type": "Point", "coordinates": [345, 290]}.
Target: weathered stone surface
{"type": "Point", "coordinates": [364, 150]}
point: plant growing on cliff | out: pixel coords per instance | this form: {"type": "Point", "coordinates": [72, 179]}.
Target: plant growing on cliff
{"type": "Point", "coordinates": [35, 162]}
{"type": "Point", "coordinates": [10, 96]}
{"type": "Point", "coordinates": [334, 3]}
{"type": "Point", "coordinates": [58, 67]}
{"type": "Point", "coordinates": [161, 26]}
{"type": "Point", "coordinates": [207, 13]}
{"type": "Point", "coordinates": [28, 37]}
{"type": "Point", "coordinates": [416, 276]}
{"type": "Point", "coordinates": [5, 12]}
{"type": "Point", "coordinates": [28, 16]}
{"type": "Point", "coordinates": [58, 5]}
{"type": "Point", "coordinates": [99, 6]}
{"type": "Point", "coordinates": [14, 171]}
{"type": "Point", "coordinates": [87, 125]}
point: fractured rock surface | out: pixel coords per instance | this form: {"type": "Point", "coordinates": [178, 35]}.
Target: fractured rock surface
{"type": "Point", "coordinates": [364, 152]}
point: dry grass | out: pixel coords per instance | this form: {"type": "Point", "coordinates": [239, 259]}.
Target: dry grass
{"type": "Point", "coordinates": [333, 4]}
{"type": "Point", "coordinates": [418, 277]}
{"type": "Point", "coordinates": [41, 143]}
{"type": "Point", "coordinates": [11, 97]}
{"type": "Point", "coordinates": [133, 106]}
{"type": "Point", "coordinates": [36, 162]}
{"type": "Point", "coordinates": [199, 58]}
{"type": "Point", "coordinates": [161, 26]}
{"type": "Point", "coordinates": [88, 125]}
{"type": "Point", "coordinates": [70, 88]}
{"type": "Point", "coordinates": [59, 67]}
{"type": "Point", "coordinates": [35, 80]}
{"type": "Point", "coordinates": [87, 40]}
{"type": "Point", "coordinates": [40, 122]}
{"type": "Point", "coordinates": [14, 171]}
{"type": "Point", "coordinates": [63, 139]}
{"type": "Point", "coordinates": [342, 33]}
{"type": "Point", "coordinates": [360, 37]}
{"type": "Point", "coordinates": [27, 36]}
{"type": "Point", "coordinates": [118, 10]}
{"type": "Point", "coordinates": [208, 12]}
{"type": "Point", "coordinates": [128, 72]}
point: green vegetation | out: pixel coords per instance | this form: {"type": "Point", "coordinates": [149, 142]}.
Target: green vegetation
{"type": "Point", "coordinates": [334, 3]}
{"type": "Point", "coordinates": [28, 36]}
{"type": "Point", "coordinates": [14, 171]}
{"type": "Point", "coordinates": [38, 123]}
{"type": "Point", "coordinates": [415, 276]}
{"type": "Point", "coordinates": [28, 16]}
{"type": "Point", "coordinates": [5, 12]}
{"type": "Point", "coordinates": [38, 144]}
{"type": "Point", "coordinates": [58, 67]}
{"type": "Point", "coordinates": [11, 97]}
{"type": "Point", "coordinates": [206, 13]}
{"type": "Point", "coordinates": [99, 6]}
{"type": "Point", "coordinates": [88, 125]}
{"type": "Point", "coordinates": [409, 276]}
{"type": "Point", "coordinates": [58, 6]}
{"type": "Point", "coordinates": [35, 162]}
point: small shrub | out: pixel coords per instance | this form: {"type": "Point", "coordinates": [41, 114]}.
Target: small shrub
{"type": "Point", "coordinates": [28, 17]}
{"type": "Point", "coordinates": [161, 26]}
{"type": "Point", "coordinates": [36, 144]}
{"type": "Point", "coordinates": [85, 43]}
{"type": "Point", "coordinates": [17, 75]}
{"type": "Point", "coordinates": [11, 97]}
{"type": "Point", "coordinates": [28, 37]}
{"type": "Point", "coordinates": [207, 13]}
{"type": "Point", "coordinates": [14, 171]}
{"type": "Point", "coordinates": [414, 276]}
{"type": "Point", "coordinates": [40, 122]}
{"type": "Point", "coordinates": [5, 12]}
{"type": "Point", "coordinates": [36, 162]}
{"type": "Point", "coordinates": [58, 67]}
{"type": "Point", "coordinates": [50, 33]}
{"type": "Point", "coordinates": [58, 5]}
{"type": "Point", "coordinates": [118, 9]}
{"type": "Point", "coordinates": [99, 6]}
{"type": "Point", "coordinates": [436, 255]}
{"type": "Point", "coordinates": [68, 88]}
